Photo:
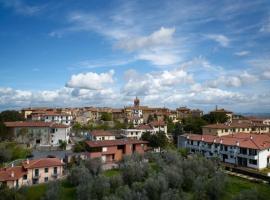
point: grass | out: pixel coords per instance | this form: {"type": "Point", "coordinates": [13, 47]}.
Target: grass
{"type": "Point", "coordinates": [35, 192]}
{"type": "Point", "coordinates": [111, 172]}
{"type": "Point", "coordinates": [236, 185]}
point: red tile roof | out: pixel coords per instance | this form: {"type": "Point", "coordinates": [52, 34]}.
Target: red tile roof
{"type": "Point", "coordinates": [101, 133]}
{"type": "Point", "coordinates": [235, 125]}
{"type": "Point", "coordinates": [245, 140]}
{"type": "Point", "coordinates": [42, 162]}
{"type": "Point", "coordinates": [35, 124]}
{"type": "Point", "coordinates": [157, 123]}
{"type": "Point", "coordinates": [144, 127]}
{"type": "Point", "coordinates": [106, 143]}
{"type": "Point", "coordinates": [11, 173]}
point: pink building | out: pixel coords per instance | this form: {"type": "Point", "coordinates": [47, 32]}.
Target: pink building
{"type": "Point", "coordinates": [32, 172]}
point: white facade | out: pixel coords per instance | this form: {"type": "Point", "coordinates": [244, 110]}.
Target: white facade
{"type": "Point", "coordinates": [233, 154]}
{"type": "Point", "coordinates": [108, 137]}
{"type": "Point", "coordinates": [135, 133]}
{"type": "Point", "coordinates": [58, 134]}
{"type": "Point", "coordinates": [61, 119]}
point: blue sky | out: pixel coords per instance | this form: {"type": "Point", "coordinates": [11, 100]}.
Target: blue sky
{"type": "Point", "coordinates": [103, 53]}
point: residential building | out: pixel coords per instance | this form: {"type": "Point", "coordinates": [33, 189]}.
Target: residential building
{"type": "Point", "coordinates": [159, 126]}
{"type": "Point", "coordinates": [235, 127]}
{"type": "Point", "coordinates": [228, 113]}
{"type": "Point", "coordinates": [38, 133]}
{"type": "Point", "coordinates": [101, 135]}
{"type": "Point", "coordinates": [136, 133]}
{"type": "Point", "coordinates": [242, 149]}
{"type": "Point", "coordinates": [52, 116]}
{"type": "Point", "coordinates": [183, 112]}
{"type": "Point", "coordinates": [32, 172]}
{"type": "Point", "coordinates": [114, 150]}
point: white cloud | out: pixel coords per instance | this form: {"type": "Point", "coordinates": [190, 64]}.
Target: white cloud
{"type": "Point", "coordinates": [159, 58]}
{"type": "Point", "coordinates": [156, 82]}
{"type": "Point", "coordinates": [266, 26]}
{"type": "Point", "coordinates": [233, 80]}
{"type": "Point", "coordinates": [20, 7]}
{"type": "Point", "coordinates": [242, 53]}
{"type": "Point", "coordinates": [163, 36]}
{"type": "Point", "coordinates": [91, 80]}
{"type": "Point", "coordinates": [219, 38]}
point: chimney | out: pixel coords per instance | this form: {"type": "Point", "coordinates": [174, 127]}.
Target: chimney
{"type": "Point", "coordinates": [214, 140]}
{"type": "Point", "coordinates": [12, 174]}
{"type": "Point", "coordinates": [12, 164]}
{"type": "Point", "coordinates": [251, 137]}
{"type": "Point", "coordinates": [27, 161]}
{"type": "Point", "coordinates": [202, 138]}
{"type": "Point", "coordinates": [221, 141]}
{"type": "Point", "coordinates": [237, 143]}
{"type": "Point", "coordinates": [216, 107]}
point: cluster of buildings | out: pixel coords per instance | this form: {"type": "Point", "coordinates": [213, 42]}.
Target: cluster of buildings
{"type": "Point", "coordinates": [32, 172]}
{"type": "Point", "coordinates": [241, 142]}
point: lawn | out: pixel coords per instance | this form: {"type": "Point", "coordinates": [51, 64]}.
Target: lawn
{"type": "Point", "coordinates": [111, 172]}
{"type": "Point", "coordinates": [67, 192]}
{"type": "Point", "coordinates": [236, 185]}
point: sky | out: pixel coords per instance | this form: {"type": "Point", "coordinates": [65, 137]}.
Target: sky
{"type": "Point", "coordinates": [105, 52]}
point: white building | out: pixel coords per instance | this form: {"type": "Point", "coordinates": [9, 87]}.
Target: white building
{"type": "Point", "coordinates": [136, 133]}
{"type": "Point", "coordinates": [235, 127]}
{"type": "Point", "coordinates": [38, 133]}
{"type": "Point", "coordinates": [50, 116]}
{"type": "Point", "coordinates": [101, 135]}
{"type": "Point", "coordinates": [153, 128]}
{"type": "Point", "coordinates": [242, 149]}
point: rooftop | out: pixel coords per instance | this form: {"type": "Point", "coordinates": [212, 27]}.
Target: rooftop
{"type": "Point", "coordinates": [42, 162]}
{"type": "Point", "coordinates": [35, 124]}
{"type": "Point", "coordinates": [101, 133]}
{"type": "Point", "coordinates": [245, 140]}
{"type": "Point", "coordinates": [106, 143]}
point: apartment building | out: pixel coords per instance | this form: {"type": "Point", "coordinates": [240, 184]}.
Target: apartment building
{"type": "Point", "coordinates": [101, 135]}
{"type": "Point", "coordinates": [38, 133]}
{"type": "Point", "coordinates": [136, 133]}
{"type": "Point", "coordinates": [235, 127]}
{"type": "Point", "coordinates": [152, 128]}
{"type": "Point", "coordinates": [32, 172]}
{"type": "Point", "coordinates": [242, 149]}
{"type": "Point", "coordinates": [114, 150]}
{"type": "Point", "coordinates": [228, 113]}
{"type": "Point", "coordinates": [52, 116]}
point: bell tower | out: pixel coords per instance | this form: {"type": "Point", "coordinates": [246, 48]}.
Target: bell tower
{"type": "Point", "coordinates": [136, 102]}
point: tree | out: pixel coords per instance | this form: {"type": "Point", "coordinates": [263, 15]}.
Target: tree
{"type": "Point", "coordinates": [156, 140]}
{"type": "Point", "coordinates": [78, 175]}
{"type": "Point", "coordinates": [106, 116]}
{"type": "Point", "coordinates": [194, 124]}
{"type": "Point", "coordinates": [62, 144]}
{"type": "Point", "coordinates": [150, 118]}
{"type": "Point", "coordinates": [94, 166]}
{"type": "Point", "coordinates": [5, 116]}
{"type": "Point", "coordinates": [10, 116]}
{"type": "Point", "coordinates": [5, 154]}
{"type": "Point", "coordinates": [213, 118]}
{"type": "Point", "coordinates": [53, 191]}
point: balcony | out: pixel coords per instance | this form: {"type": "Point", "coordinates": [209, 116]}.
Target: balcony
{"type": "Point", "coordinates": [36, 176]}
{"type": "Point", "coordinates": [253, 157]}
{"type": "Point", "coordinates": [55, 175]}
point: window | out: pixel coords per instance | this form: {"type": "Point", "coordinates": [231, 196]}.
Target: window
{"type": "Point", "coordinates": [37, 141]}
{"type": "Point", "coordinates": [25, 177]}
{"type": "Point", "coordinates": [253, 162]}
{"type": "Point", "coordinates": [46, 179]}
{"type": "Point", "coordinates": [46, 170]}
{"type": "Point", "coordinates": [252, 152]}
{"type": "Point", "coordinates": [36, 172]}
{"type": "Point", "coordinates": [103, 138]}
{"type": "Point", "coordinates": [55, 170]}
{"type": "Point", "coordinates": [243, 151]}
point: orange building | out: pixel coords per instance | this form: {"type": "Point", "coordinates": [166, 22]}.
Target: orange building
{"type": "Point", "coordinates": [114, 150]}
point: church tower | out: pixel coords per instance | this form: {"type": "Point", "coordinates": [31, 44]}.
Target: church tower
{"type": "Point", "coordinates": [136, 102]}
